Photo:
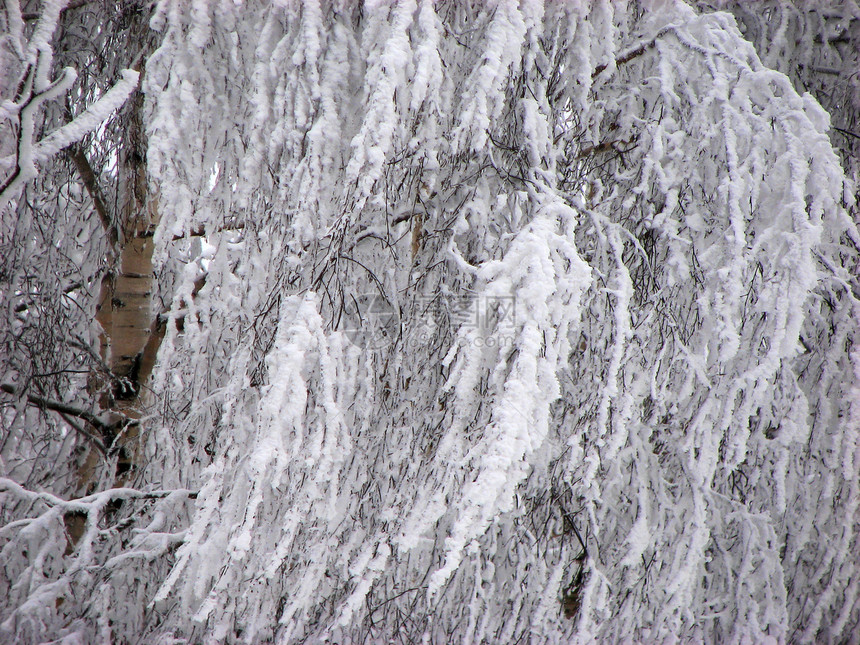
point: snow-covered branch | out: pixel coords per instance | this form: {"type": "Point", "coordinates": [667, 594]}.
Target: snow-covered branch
{"type": "Point", "coordinates": [36, 89]}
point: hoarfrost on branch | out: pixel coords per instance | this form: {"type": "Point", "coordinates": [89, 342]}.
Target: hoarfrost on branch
{"type": "Point", "coordinates": [491, 322]}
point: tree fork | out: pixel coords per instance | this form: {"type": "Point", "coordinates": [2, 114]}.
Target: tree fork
{"type": "Point", "coordinates": [130, 337]}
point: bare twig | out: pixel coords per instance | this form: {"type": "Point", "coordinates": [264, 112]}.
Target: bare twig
{"type": "Point", "coordinates": [847, 133]}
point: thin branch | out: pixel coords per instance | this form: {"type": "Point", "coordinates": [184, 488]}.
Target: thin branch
{"type": "Point", "coordinates": [106, 429]}
{"type": "Point", "coordinates": [630, 55]}
{"type": "Point", "coordinates": [80, 430]}
{"type": "Point", "coordinates": [85, 170]}
{"type": "Point", "coordinates": [77, 4]}
{"type": "Point", "coordinates": [607, 146]}
{"type": "Point", "coordinates": [847, 133]}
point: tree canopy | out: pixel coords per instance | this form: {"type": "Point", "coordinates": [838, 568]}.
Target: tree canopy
{"type": "Point", "coordinates": [501, 321]}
